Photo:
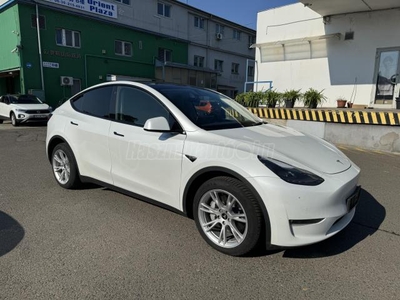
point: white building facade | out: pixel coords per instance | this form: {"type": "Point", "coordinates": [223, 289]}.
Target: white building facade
{"type": "Point", "coordinates": [349, 49]}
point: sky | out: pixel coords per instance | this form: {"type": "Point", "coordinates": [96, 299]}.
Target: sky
{"type": "Point", "coordinates": [243, 12]}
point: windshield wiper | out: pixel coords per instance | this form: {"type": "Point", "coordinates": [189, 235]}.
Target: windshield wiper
{"type": "Point", "coordinates": [255, 124]}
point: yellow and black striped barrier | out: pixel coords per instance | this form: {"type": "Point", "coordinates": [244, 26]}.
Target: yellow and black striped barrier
{"type": "Point", "coordinates": [330, 115]}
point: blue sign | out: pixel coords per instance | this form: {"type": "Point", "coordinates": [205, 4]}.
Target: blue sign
{"type": "Point", "coordinates": [28, 65]}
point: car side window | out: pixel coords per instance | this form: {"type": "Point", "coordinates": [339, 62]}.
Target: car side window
{"type": "Point", "coordinates": [96, 102]}
{"type": "Point", "coordinates": [135, 106]}
{"type": "Point", "coordinates": [6, 100]}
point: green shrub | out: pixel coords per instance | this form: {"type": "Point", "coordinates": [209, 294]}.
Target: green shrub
{"type": "Point", "coordinates": [312, 98]}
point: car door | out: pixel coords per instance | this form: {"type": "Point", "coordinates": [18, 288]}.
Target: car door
{"type": "Point", "coordinates": [143, 162]}
{"type": "Point", "coordinates": [4, 107]}
{"type": "Point", "coordinates": [87, 130]}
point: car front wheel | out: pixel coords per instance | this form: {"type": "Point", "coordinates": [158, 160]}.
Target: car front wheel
{"type": "Point", "coordinates": [227, 215]}
{"type": "Point", "coordinates": [65, 168]}
{"type": "Point", "coordinates": [14, 121]}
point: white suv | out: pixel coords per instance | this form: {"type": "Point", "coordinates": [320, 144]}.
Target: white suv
{"type": "Point", "coordinates": [200, 153]}
{"type": "Point", "coordinates": [23, 109]}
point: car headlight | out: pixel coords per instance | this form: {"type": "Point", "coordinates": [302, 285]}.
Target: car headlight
{"type": "Point", "coordinates": [290, 173]}
{"type": "Point", "coordinates": [50, 108]}
{"type": "Point", "coordinates": [20, 110]}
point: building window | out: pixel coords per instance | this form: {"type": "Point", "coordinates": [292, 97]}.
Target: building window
{"type": "Point", "coordinates": [219, 29]}
{"type": "Point", "coordinates": [218, 65]}
{"type": "Point", "coordinates": [199, 61]}
{"type": "Point", "coordinates": [68, 38]}
{"type": "Point", "coordinates": [235, 68]}
{"type": "Point", "coordinates": [123, 48]}
{"type": "Point", "coordinates": [164, 9]}
{"type": "Point", "coordinates": [252, 40]}
{"type": "Point", "coordinates": [127, 2]}
{"type": "Point", "coordinates": [199, 22]}
{"type": "Point", "coordinates": [42, 22]}
{"type": "Point", "coordinates": [250, 71]}
{"type": "Point", "coordinates": [236, 34]}
{"type": "Point", "coordinates": [164, 54]}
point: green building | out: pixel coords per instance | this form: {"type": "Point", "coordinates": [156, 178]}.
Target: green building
{"type": "Point", "coordinates": [75, 51]}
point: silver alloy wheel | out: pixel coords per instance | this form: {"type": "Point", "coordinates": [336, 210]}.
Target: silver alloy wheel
{"type": "Point", "coordinates": [61, 167]}
{"type": "Point", "coordinates": [222, 218]}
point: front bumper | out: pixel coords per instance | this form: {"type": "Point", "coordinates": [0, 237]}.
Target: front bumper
{"type": "Point", "coordinates": [303, 215]}
{"type": "Point", "coordinates": [23, 117]}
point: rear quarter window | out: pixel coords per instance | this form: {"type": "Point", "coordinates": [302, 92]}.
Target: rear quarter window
{"type": "Point", "coordinates": [96, 102]}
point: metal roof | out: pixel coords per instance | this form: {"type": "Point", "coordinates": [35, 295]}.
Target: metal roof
{"type": "Point", "coordinates": [300, 40]}
{"type": "Point", "coordinates": [336, 7]}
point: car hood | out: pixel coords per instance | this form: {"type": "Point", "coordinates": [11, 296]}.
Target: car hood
{"type": "Point", "coordinates": [288, 145]}
{"type": "Point", "coordinates": [31, 106]}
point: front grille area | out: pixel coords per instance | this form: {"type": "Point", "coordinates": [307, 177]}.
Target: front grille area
{"type": "Point", "coordinates": [42, 111]}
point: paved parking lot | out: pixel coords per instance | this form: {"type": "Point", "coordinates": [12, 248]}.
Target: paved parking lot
{"type": "Point", "coordinates": [98, 244]}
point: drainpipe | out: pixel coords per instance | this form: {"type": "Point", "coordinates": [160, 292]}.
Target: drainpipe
{"type": "Point", "coordinates": [39, 47]}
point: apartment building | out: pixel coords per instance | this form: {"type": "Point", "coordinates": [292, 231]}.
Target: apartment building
{"type": "Point", "coordinates": [55, 48]}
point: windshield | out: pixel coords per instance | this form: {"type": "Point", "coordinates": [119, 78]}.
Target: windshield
{"type": "Point", "coordinates": [207, 109]}
{"type": "Point", "coordinates": [24, 99]}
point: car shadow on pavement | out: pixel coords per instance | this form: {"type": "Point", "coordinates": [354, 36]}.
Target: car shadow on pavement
{"type": "Point", "coordinates": [27, 125]}
{"type": "Point", "coordinates": [11, 233]}
{"type": "Point", "coordinates": [88, 186]}
{"type": "Point", "coordinates": [367, 220]}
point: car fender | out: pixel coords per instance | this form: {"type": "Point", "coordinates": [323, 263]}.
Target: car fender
{"type": "Point", "coordinates": [232, 172]}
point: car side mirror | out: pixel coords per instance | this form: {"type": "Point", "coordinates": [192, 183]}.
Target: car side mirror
{"type": "Point", "coordinates": [158, 124]}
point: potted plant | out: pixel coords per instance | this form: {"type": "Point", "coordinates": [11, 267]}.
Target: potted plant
{"type": "Point", "coordinates": [253, 99]}
{"type": "Point", "coordinates": [312, 98]}
{"type": "Point", "coordinates": [290, 97]}
{"type": "Point", "coordinates": [240, 99]}
{"type": "Point", "coordinates": [341, 102]}
{"type": "Point", "coordinates": [250, 99]}
{"type": "Point", "coordinates": [271, 97]}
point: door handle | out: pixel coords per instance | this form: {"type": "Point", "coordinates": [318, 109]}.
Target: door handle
{"type": "Point", "coordinates": [73, 123]}
{"type": "Point", "coordinates": [116, 133]}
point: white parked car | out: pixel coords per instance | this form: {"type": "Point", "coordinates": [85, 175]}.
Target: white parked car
{"type": "Point", "coordinates": [200, 153]}
{"type": "Point", "coordinates": [23, 109]}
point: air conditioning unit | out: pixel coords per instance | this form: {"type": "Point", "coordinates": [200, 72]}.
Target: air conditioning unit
{"type": "Point", "coordinates": [218, 36]}
{"type": "Point", "coordinates": [66, 80]}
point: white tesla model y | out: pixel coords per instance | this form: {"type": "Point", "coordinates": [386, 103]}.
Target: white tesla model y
{"type": "Point", "coordinates": [199, 152]}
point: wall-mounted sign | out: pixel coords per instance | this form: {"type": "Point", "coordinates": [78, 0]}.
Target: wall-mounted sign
{"type": "Point", "coordinates": [98, 7]}
{"type": "Point", "coordinates": [61, 53]}
{"type": "Point", "coordinates": [52, 65]}
{"type": "Point", "coordinates": [28, 65]}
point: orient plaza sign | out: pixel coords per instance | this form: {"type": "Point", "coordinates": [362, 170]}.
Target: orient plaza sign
{"type": "Point", "coordinates": [97, 7]}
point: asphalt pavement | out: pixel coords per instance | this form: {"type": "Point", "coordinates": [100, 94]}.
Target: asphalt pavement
{"type": "Point", "coordinates": [95, 243]}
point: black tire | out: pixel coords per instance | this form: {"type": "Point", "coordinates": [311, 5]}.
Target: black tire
{"type": "Point", "coordinates": [74, 180]}
{"type": "Point", "coordinates": [248, 206]}
{"type": "Point", "coordinates": [14, 120]}
{"type": "Point", "coordinates": [1, 121]}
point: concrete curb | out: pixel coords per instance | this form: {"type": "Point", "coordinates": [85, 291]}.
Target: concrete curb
{"type": "Point", "coordinates": [381, 138]}
{"type": "Point", "coordinates": [345, 116]}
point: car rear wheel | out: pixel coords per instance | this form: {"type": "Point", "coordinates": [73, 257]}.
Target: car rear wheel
{"type": "Point", "coordinates": [14, 121]}
{"type": "Point", "coordinates": [1, 121]}
{"type": "Point", "coordinates": [227, 215]}
{"type": "Point", "coordinates": [65, 168]}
